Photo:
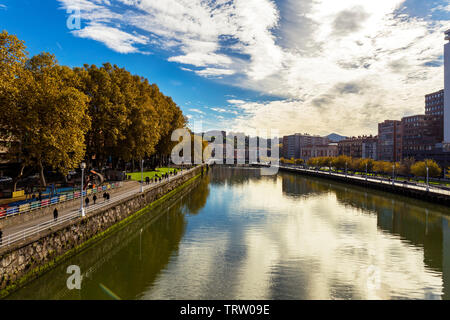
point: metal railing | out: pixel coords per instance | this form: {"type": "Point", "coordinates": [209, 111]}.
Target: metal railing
{"type": "Point", "coordinates": [36, 205]}
{"type": "Point", "coordinates": [75, 214]}
{"type": "Point", "coordinates": [398, 183]}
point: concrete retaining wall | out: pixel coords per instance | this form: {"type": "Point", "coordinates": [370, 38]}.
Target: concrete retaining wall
{"type": "Point", "coordinates": [23, 261]}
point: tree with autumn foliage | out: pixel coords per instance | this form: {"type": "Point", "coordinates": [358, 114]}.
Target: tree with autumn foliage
{"type": "Point", "coordinates": [41, 109]}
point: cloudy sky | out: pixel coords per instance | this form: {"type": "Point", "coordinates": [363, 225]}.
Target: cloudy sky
{"type": "Point", "coordinates": [316, 66]}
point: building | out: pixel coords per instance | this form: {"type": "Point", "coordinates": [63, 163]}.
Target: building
{"type": "Point", "coordinates": [369, 148]}
{"type": "Point", "coordinates": [447, 90]}
{"type": "Point", "coordinates": [351, 147]}
{"type": "Point", "coordinates": [314, 151]}
{"type": "Point", "coordinates": [390, 140]}
{"type": "Point", "coordinates": [434, 103]}
{"type": "Point", "coordinates": [359, 147]}
{"type": "Point", "coordinates": [421, 133]}
{"type": "Point", "coordinates": [293, 144]}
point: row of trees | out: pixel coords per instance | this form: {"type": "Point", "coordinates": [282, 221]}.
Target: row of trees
{"type": "Point", "coordinates": [407, 167]}
{"type": "Point", "coordinates": [55, 116]}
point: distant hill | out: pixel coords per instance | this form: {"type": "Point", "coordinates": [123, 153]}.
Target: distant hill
{"type": "Point", "coordinates": [336, 137]}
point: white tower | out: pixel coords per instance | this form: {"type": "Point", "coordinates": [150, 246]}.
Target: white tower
{"type": "Point", "coordinates": [447, 89]}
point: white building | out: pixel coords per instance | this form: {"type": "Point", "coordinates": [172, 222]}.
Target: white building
{"type": "Point", "coordinates": [447, 89]}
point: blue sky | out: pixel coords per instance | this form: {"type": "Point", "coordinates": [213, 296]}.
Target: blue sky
{"type": "Point", "coordinates": [292, 65]}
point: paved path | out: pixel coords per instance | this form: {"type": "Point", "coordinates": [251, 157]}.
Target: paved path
{"type": "Point", "coordinates": [14, 233]}
{"type": "Point", "coordinates": [397, 183]}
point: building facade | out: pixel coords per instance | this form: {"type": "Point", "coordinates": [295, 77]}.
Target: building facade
{"type": "Point", "coordinates": [434, 103]}
{"type": "Point", "coordinates": [421, 133]}
{"type": "Point", "coordinates": [370, 148]}
{"type": "Point", "coordinates": [293, 144]}
{"type": "Point", "coordinates": [359, 147]}
{"type": "Point", "coordinates": [314, 151]}
{"type": "Point", "coordinates": [390, 140]}
{"type": "Point", "coordinates": [447, 91]}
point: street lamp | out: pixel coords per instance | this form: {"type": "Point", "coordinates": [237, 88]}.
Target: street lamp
{"type": "Point", "coordinates": [346, 169]}
{"type": "Point", "coordinates": [142, 175]}
{"type": "Point", "coordinates": [366, 171]}
{"type": "Point", "coordinates": [393, 174]}
{"type": "Point", "coordinates": [82, 166]}
{"type": "Point", "coordinates": [428, 181]}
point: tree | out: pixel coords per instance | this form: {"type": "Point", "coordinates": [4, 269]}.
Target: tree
{"type": "Point", "coordinates": [363, 163]}
{"type": "Point", "coordinates": [299, 161]}
{"type": "Point", "coordinates": [48, 117]}
{"type": "Point", "coordinates": [405, 168]}
{"type": "Point", "coordinates": [419, 169]}
{"type": "Point", "coordinates": [12, 67]}
{"type": "Point", "coordinates": [339, 162]}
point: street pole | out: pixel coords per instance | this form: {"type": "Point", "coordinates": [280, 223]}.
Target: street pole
{"type": "Point", "coordinates": [428, 182]}
{"type": "Point", "coordinates": [83, 166]}
{"type": "Point", "coordinates": [346, 169]}
{"type": "Point", "coordinates": [393, 174]}
{"type": "Point", "coordinates": [142, 175]}
{"type": "Point", "coordinates": [366, 171]}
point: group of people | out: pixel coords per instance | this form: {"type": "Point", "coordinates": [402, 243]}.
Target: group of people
{"type": "Point", "coordinates": [106, 197]}
{"type": "Point", "coordinates": [160, 178]}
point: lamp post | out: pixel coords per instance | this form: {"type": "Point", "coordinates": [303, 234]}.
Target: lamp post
{"type": "Point", "coordinates": [428, 181]}
{"type": "Point", "coordinates": [346, 169]}
{"type": "Point", "coordinates": [366, 171]}
{"type": "Point", "coordinates": [142, 175]}
{"type": "Point", "coordinates": [82, 166]}
{"type": "Point", "coordinates": [393, 174]}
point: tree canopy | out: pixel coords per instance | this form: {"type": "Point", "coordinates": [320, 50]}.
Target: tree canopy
{"type": "Point", "coordinates": [61, 116]}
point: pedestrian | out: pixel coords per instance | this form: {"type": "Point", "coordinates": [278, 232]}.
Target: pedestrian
{"type": "Point", "coordinates": [94, 198]}
{"type": "Point", "coordinates": [55, 214]}
{"type": "Point", "coordinates": [87, 201]}
{"type": "Point", "coordinates": [108, 196]}
{"type": "Point", "coordinates": [147, 180]}
{"type": "Point", "coordinates": [40, 196]}
{"type": "Point", "coordinates": [104, 197]}
{"type": "Point", "coordinates": [1, 236]}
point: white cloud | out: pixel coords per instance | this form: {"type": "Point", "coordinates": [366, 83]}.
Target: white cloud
{"type": "Point", "coordinates": [113, 38]}
{"type": "Point", "coordinates": [358, 58]}
{"type": "Point", "coordinates": [232, 101]}
{"type": "Point", "coordinates": [196, 110]}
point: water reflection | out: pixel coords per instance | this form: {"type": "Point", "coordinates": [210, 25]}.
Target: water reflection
{"type": "Point", "coordinates": [240, 235]}
{"type": "Point", "coordinates": [127, 262]}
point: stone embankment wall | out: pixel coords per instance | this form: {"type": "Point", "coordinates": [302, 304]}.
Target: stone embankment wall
{"type": "Point", "coordinates": [23, 261]}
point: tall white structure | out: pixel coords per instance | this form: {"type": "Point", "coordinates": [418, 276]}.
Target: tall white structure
{"type": "Point", "coordinates": [447, 89]}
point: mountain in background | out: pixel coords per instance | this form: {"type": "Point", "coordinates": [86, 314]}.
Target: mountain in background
{"type": "Point", "coordinates": [336, 137]}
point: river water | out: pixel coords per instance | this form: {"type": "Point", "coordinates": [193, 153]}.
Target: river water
{"type": "Point", "coordinates": [240, 235]}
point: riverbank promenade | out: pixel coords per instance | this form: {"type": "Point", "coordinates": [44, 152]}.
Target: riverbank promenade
{"type": "Point", "coordinates": [419, 190]}
{"type": "Point", "coordinates": [18, 232]}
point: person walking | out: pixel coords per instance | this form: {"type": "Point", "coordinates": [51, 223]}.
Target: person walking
{"type": "Point", "coordinates": [55, 214]}
{"type": "Point", "coordinates": [40, 196]}
{"type": "Point", "coordinates": [104, 197]}
{"type": "Point", "coordinates": [87, 201]}
{"type": "Point", "coordinates": [94, 198]}
{"type": "Point", "coordinates": [108, 196]}
{"type": "Point", "coordinates": [147, 180]}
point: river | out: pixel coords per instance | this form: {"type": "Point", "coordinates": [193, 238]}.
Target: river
{"type": "Point", "coordinates": [240, 235]}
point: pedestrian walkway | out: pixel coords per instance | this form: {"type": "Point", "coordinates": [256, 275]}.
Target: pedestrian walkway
{"type": "Point", "coordinates": [382, 181]}
{"type": "Point", "coordinates": [20, 231]}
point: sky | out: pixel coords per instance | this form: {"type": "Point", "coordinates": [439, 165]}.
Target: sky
{"type": "Point", "coordinates": [296, 66]}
